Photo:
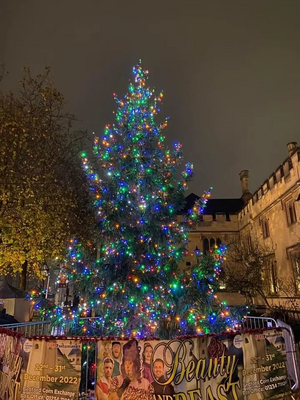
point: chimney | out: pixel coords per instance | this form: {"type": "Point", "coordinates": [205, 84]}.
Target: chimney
{"type": "Point", "coordinates": [292, 147]}
{"type": "Point", "coordinates": [244, 178]}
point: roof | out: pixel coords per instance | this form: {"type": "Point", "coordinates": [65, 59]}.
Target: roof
{"type": "Point", "coordinates": [9, 292]}
{"type": "Point", "coordinates": [74, 351]}
{"type": "Point", "coordinates": [189, 202]}
{"type": "Point", "coordinates": [279, 339]}
{"type": "Point", "coordinates": [214, 206]}
{"type": "Point", "coordinates": [226, 206]}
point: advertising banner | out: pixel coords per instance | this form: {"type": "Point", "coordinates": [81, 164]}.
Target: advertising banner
{"type": "Point", "coordinates": [13, 363]}
{"type": "Point", "coordinates": [39, 369]}
{"type": "Point", "coordinates": [244, 366]}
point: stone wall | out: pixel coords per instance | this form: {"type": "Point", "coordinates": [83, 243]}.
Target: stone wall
{"type": "Point", "coordinates": [272, 217]}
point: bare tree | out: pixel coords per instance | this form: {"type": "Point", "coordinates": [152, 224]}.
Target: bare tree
{"type": "Point", "coordinates": [289, 306]}
{"type": "Point", "coordinates": [246, 269]}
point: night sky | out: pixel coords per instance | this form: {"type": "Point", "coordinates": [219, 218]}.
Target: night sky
{"type": "Point", "coordinates": [230, 71]}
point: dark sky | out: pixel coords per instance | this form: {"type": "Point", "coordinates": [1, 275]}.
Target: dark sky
{"type": "Point", "coordinates": [230, 71]}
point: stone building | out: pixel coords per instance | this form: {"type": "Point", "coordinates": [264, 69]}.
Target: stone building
{"type": "Point", "coordinates": [269, 216]}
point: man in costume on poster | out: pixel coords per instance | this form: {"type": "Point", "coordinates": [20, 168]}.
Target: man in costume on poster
{"type": "Point", "coordinates": [158, 383]}
{"type": "Point", "coordinates": [116, 353]}
{"type": "Point", "coordinates": [103, 385]}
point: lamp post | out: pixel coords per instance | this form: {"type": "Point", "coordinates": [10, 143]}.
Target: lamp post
{"type": "Point", "coordinates": [46, 273]}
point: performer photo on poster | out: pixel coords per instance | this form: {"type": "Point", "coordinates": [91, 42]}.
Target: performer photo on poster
{"type": "Point", "coordinates": [103, 385]}
{"type": "Point", "coordinates": [130, 383]}
{"type": "Point", "coordinates": [13, 364]}
{"type": "Point", "coordinates": [147, 357]}
{"type": "Point", "coordinates": [116, 354]}
{"type": "Point", "coordinates": [215, 367]}
{"type": "Point", "coordinates": [159, 384]}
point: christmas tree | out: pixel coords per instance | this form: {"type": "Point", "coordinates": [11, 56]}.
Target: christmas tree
{"type": "Point", "coordinates": [136, 285]}
{"type": "Point", "coordinates": [192, 307]}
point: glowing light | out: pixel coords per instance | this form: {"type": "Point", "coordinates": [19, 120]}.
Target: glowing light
{"type": "Point", "coordinates": [136, 283]}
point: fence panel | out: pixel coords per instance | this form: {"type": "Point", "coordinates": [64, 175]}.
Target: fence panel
{"type": "Point", "coordinates": [267, 323]}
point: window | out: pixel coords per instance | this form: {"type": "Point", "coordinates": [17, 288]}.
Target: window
{"type": "Point", "coordinates": [295, 259]}
{"type": "Point", "coordinates": [205, 246]}
{"type": "Point", "coordinates": [188, 263]}
{"type": "Point", "coordinates": [290, 212]}
{"type": "Point", "coordinates": [209, 244]}
{"type": "Point", "coordinates": [271, 275]}
{"type": "Point", "coordinates": [265, 228]}
{"type": "Point", "coordinates": [273, 280]}
{"type": "Point", "coordinates": [222, 280]}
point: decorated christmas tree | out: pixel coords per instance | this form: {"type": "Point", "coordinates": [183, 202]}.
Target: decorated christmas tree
{"type": "Point", "coordinates": [136, 286]}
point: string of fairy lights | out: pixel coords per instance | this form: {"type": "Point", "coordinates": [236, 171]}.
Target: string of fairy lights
{"type": "Point", "coordinates": [134, 283]}
{"type": "Point", "coordinates": [59, 317]}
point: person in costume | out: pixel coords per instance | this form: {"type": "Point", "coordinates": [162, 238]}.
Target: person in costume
{"type": "Point", "coordinates": [116, 353]}
{"type": "Point", "coordinates": [103, 385]}
{"type": "Point", "coordinates": [130, 385]}
{"type": "Point", "coordinates": [159, 382]}
{"type": "Point", "coordinates": [147, 356]}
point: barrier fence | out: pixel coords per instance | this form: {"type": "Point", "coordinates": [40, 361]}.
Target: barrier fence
{"type": "Point", "coordinates": [47, 366]}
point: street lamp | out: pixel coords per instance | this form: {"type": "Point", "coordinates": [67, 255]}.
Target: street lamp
{"type": "Point", "coordinates": [46, 273]}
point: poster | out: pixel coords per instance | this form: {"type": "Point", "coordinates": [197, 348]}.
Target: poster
{"type": "Point", "coordinates": [39, 369]}
{"type": "Point", "coordinates": [248, 366]}
{"type": "Point", "coordinates": [243, 366]}
{"type": "Point", "coordinates": [13, 363]}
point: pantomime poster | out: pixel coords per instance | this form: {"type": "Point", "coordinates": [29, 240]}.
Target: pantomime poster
{"type": "Point", "coordinates": [39, 369]}
{"type": "Point", "coordinates": [246, 366]}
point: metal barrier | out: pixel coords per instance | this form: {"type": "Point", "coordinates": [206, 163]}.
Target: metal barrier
{"type": "Point", "coordinates": [38, 328]}
{"type": "Point", "coordinates": [292, 362]}
{"type": "Point", "coordinates": [258, 323]}
{"type": "Point", "coordinates": [41, 328]}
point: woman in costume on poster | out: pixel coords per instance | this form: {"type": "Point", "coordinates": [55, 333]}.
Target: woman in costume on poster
{"type": "Point", "coordinates": [130, 385]}
{"type": "Point", "coordinates": [147, 356]}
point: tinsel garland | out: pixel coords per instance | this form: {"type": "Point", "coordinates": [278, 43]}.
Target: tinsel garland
{"type": "Point", "coordinates": [94, 339]}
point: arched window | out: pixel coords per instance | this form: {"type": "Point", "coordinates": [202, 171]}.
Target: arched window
{"type": "Point", "coordinates": [205, 246]}
{"type": "Point", "coordinates": [209, 244]}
